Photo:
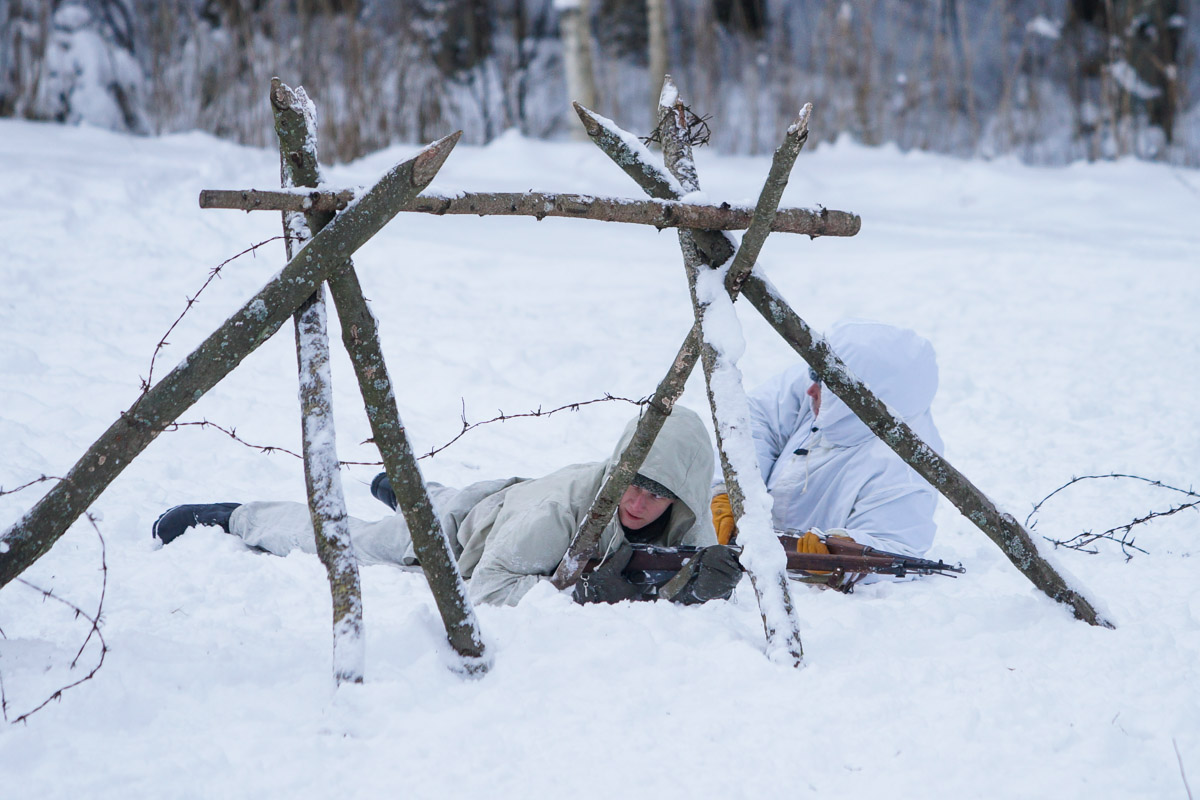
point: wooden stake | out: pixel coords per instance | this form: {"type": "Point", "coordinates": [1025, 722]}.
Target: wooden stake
{"type": "Point", "coordinates": [730, 410]}
{"type": "Point", "coordinates": [361, 339]}
{"type": "Point", "coordinates": [295, 125]}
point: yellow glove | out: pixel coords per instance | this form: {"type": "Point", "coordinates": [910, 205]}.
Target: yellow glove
{"type": "Point", "coordinates": [722, 513]}
{"type": "Point", "coordinates": [811, 543]}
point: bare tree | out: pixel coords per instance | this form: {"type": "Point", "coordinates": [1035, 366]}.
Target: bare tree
{"type": "Point", "coordinates": [574, 20]}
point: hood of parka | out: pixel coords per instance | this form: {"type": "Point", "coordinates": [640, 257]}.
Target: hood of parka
{"type": "Point", "coordinates": [899, 367]}
{"type": "Point", "coordinates": [681, 459]}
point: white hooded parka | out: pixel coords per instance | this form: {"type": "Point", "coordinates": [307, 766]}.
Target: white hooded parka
{"type": "Point", "coordinates": [830, 471]}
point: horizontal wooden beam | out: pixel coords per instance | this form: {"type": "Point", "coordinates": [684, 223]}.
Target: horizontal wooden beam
{"type": "Point", "coordinates": [659, 213]}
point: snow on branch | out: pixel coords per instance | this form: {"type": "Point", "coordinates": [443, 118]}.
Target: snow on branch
{"type": "Point", "coordinates": [296, 127]}
{"type": "Point", "coordinates": [722, 344]}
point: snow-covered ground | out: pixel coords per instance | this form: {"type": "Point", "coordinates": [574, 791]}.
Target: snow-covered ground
{"type": "Point", "coordinates": [1063, 306]}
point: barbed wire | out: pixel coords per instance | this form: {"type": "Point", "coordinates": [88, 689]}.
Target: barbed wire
{"type": "Point", "coordinates": [536, 413]}
{"type": "Point", "coordinates": [696, 131]}
{"type": "Point", "coordinates": [466, 427]}
{"type": "Point", "coordinates": [1122, 535]}
{"type": "Point", "coordinates": [94, 630]}
{"type": "Point", "coordinates": [34, 482]}
{"type": "Point", "coordinates": [213, 274]}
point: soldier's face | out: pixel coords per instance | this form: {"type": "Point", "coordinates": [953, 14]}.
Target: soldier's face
{"type": "Point", "coordinates": [638, 508]}
{"type": "Point", "coordinates": [814, 394]}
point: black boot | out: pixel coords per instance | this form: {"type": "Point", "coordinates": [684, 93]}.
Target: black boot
{"type": "Point", "coordinates": [381, 490]}
{"type": "Point", "coordinates": [174, 521]}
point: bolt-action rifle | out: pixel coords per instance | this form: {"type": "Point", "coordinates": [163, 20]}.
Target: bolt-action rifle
{"type": "Point", "coordinates": [846, 563]}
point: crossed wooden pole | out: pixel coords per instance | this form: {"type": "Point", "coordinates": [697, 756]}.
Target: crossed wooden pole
{"type": "Point", "coordinates": [331, 226]}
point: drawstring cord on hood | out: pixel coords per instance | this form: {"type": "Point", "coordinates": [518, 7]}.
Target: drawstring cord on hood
{"type": "Point", "coordinates": [807, 453]}
{"type": "Point", "coordinates": [608, 550]}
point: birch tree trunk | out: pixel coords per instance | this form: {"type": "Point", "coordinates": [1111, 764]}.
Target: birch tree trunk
{"type": "Point", "coordinates": [1001, 528]}
{"type": "Point", "coordinates": [153, 412]}
{"type": "Point", "coordinates": [574, 26]}
{"type": "Point", "coordinates": [656, 44]}
{"type": "Point", "coordinates": [360, 337]}
{"type": "Point", "coordinates": [296, 127]}
{"type": "Point", "coordinates": [761, 555]}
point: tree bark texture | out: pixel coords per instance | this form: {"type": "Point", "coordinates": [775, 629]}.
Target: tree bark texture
{"type": "Point", "coordinates": [251, 325]}
{"type": "Point", "coordinates": [1001, 528]}
{"type": "Point", "coordinates": [308, 201]}
{"type": "Point", "coordinates": [361, 339]}
{"type": "Point", "coordinates": [730, 409]}
{"type": "Point", "coordinates": [295, 125]}
{"type": "Point", "coordinates": [659, 213]}
{"type": "Point", "coordinates": [767, 210]}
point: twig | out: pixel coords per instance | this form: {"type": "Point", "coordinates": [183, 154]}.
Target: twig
{"type": "Point", "coordinates": [79, 612]}
{"type": "Point", "coordinates": [1182, 773]}
{"type": "Point", "coordinates": [1081, 541]}
{"type": "Point", "coordinates": [3, 697]}
{"type": "Point", "coordinates": [148, 381]}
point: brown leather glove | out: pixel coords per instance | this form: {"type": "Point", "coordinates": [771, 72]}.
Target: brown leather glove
{"type": "Point", "coordinates": [722, 513]}
{"type": "Point", "coordinates": [811, 543]}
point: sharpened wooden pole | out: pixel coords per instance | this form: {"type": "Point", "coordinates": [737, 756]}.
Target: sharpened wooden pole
{"type": "Point", "coordinates": [761, 557]}
{"type": "Point", "coordinates": [361, 339]}
{"type": "Point", "coordinates": [295, 127]}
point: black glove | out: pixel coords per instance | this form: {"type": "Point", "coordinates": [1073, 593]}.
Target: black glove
{"type": "Point", "coordinates": [711, 575]}
{"type": "Point", "coordinates": [606, 584]}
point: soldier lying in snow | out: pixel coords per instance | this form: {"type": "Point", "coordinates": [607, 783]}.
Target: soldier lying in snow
{"type": "Point", "coordinates": [510, 533]}
{"type": "Point", "coordinates": [824, 468]}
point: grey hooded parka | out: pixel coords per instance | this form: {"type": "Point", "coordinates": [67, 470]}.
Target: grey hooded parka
{"type": "Point", "coordinates": [508, 534]}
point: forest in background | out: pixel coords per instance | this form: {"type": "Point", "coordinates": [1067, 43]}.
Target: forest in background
{"type": "Point", "coordinates": [1050, 81]}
